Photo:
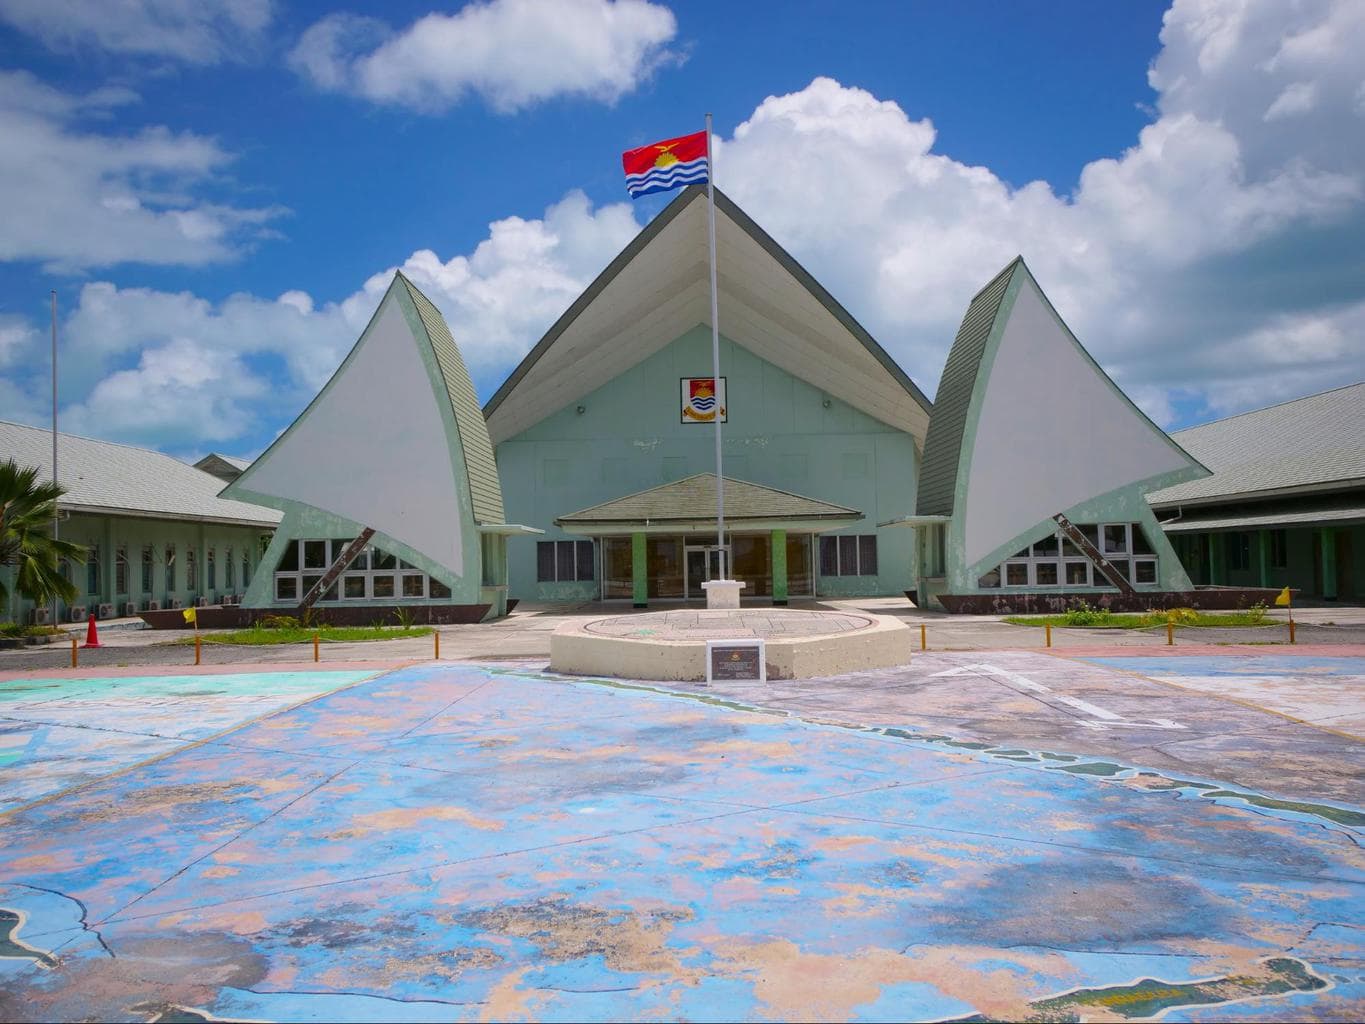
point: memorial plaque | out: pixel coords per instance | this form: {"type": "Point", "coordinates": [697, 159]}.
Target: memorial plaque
{"type": "Point", "coordinates": [735, 659]}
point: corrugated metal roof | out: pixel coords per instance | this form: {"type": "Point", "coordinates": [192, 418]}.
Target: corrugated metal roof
{"type": "Point", "coordinates": [694, 498]}
{"type": "Point", "coordinates": [1268, 519]}
{"type": "Point", "coordinates": [1309, 442]}
{"type": "Point", "coordinates": [943, 443]}
{"type": "Point", "coordinates": [117, 478]}
{"type": "Point", "coordinates": [485, 490]}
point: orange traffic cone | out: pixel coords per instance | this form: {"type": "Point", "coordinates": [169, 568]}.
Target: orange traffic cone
{"type": "Point", "coordinates": [92, 637]}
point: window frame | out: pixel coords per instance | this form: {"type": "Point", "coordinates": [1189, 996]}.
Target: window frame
{"type": "Point", "coordinates": [581, 554]}
{"type": "Point", "coordinates": [840, 546]}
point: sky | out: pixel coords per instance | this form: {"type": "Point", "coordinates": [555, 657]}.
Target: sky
{"type": "Point", "coordinates": [219, 191]}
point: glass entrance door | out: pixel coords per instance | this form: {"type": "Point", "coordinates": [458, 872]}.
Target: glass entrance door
{"type": "Point", "coordinates": [703, 564]}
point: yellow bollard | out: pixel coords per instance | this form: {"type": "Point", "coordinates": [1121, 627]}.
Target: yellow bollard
{"type": "Point", "coordinates": [1170, 634]}
{"type": "Point", "coordinates": [315, 647]}
{"type": "Point", "coordinates": [923, 637]}
{"type": "Point", "coordinates": [196, 647]}
{"type": "Point", "coordinates": [73, 652]}
{"type": "Point", "coordinates": [1047, 630]}
{"type": "Point", "coordinates": [437, 634]}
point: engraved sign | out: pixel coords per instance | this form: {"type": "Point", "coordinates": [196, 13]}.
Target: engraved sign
{"type": "Point", "coordinates": [735, 659]}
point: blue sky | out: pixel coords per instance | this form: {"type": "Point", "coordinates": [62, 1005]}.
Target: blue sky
{"type": "Point", "coordinates": [217, 190]}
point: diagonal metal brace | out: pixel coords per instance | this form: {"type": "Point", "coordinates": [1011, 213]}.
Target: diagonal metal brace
{"type": "Point", "coordinates": [348, 556]}
{"type": "Point", "coordinates": [1106, 568]}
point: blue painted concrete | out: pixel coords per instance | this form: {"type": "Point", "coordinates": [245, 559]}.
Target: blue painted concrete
{"type": "Point", "coordinates": [454, 843]}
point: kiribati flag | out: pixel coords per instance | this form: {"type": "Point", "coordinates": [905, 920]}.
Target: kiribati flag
{"type": "Point", "coordinates": [666, 165]}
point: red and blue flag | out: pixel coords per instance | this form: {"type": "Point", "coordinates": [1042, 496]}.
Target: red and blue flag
{"type": "Point", "coordinates": [666, 165]}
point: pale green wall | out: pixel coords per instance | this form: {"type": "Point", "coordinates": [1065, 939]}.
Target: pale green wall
{"type": "Point", "coordinates": [1301, 573]}
{"type": "Point", "coordinates": [780, 434]}
{"type": "Point", "coordinates": [109, 532]}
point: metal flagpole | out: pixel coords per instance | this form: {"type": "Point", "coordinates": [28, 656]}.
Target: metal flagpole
{"type": "Point", "coordinates": [55, 514]}
{"type": "Point", "coordinates": [715, 353]}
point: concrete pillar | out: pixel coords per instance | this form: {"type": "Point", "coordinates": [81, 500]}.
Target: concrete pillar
{"type": "Point", "coordinates": [779, 563]}
{"type": "Point", "coordinates": [1263, 556]}
{"type": "Point", "coordinates": [1329, 564]}
{"type": "Point", "coordinates": [107, 563]}
{"type": "Point", "coordinates": [639, 569]}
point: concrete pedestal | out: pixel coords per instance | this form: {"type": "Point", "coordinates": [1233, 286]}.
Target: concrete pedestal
{"type": "Point", "coordinates": [723, 593]}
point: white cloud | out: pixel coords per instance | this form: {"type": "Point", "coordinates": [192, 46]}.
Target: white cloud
{"type": "Point", "coordinates": [74, 198]}
{"type": "Point", "coordinates": [194, 31]}
{"type": "Point", "coordinates": [1214, 263]}
{"type": "Point", "coordinates": [173, 369]}
{"type": "Point", "coordinates": [511, 53]}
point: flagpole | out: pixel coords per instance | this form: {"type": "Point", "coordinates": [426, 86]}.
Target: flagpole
{"type": "Point", "coordinates": [715, 353]}
{"type": "Point", "coordinates": [56, 514]}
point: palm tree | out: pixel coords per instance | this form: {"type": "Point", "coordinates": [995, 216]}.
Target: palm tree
{"type": "Point", "coordinates": [27, 508]}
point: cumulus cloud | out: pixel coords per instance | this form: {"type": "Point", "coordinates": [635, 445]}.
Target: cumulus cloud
{"type": "Point", "coordinates": [193, 31]}
{"type": "Point", "coordinates": [74, 197]}
{"type": "Point", "coordinates": [511, 53]}
{"type": "Point", "coordinates": [173, 369]}
{"type": "Point", "coordinates": [1215, 264]}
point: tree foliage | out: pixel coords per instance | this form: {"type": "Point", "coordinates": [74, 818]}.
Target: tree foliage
{"type": "Point", "coordinates": [27, 508]}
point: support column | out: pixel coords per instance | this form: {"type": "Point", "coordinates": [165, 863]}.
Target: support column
{"type": "Point", "coordinates": [779, 563]}
{"type": "Point", "coordinates": [1216, 546]}
{"type": "Point", "coordinates": [1329, 564]}
{"type": "Point", "coordinates": [639, 569]}
{"type": "Point", "coordinates": [107, 566]}
{"type": "Point", "coordinates": [1263, 556]}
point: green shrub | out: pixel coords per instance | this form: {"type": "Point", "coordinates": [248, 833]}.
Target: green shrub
{"type": "Point", "coordinates": [276, 622]}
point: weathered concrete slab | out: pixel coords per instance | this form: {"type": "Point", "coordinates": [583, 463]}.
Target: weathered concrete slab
{"type": "Point", "coordinates": [462, 843]}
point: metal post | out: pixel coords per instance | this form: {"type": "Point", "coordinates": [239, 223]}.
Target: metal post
{"type": "Point", "coordinates": [715, 352]}
{"type": "Point", "coordinates": [923, 637]}
{"type": "Point", "coordinates": [56, 515]}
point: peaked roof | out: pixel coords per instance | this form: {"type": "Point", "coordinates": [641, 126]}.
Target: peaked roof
{"type": "Point", "coordinates": [693, 498]}
{"type": "Point", "coordinates": [394, 438]}
{"type": "Point", "coordinates": [658, 287]}
{"type": "Point", "coordinates": [1312, 443]}
{"type": "Point", "coordinates": [943, 445]}
{"type": "Point", "coordinates": [118, 479]}
{"type": "Point", "coordinates": [485, 491]}
{"type": "Point", "coordinates": [1031, 426]}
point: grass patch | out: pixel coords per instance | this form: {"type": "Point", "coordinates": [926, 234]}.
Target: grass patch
{"type": "Point", "coordinates": [261, 636]}
{"type": "Point", "coordinates": [15, 629]}
{"type": "Point", "coordinates": [1082, 616]}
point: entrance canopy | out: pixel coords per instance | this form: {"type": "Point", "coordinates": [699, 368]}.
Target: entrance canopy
{"type": "Point", "coordinates": [689, 506]}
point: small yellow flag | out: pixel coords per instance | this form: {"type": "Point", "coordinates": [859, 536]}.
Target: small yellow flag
{"type": "Point", "coordinates": [190, 616]}
{"type": "Point", "coordinates": [1283, 599]}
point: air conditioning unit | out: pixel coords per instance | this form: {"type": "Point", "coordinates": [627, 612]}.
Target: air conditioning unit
{"type": "Point", "coordinates": [129, 608]}
{"type": "Point", "coordinates": [231, 599]}
{"type": "Point", "coordinates": [201, 601]}
{"type": "Point", "coordinates": [152, 606]}
{"type": "Point", "coordinates": [42, 616]}
{"type": "Point", "coordinates": [76, 613]}
{"type": "Point", "coordinates": [175, 602]}
{"type": "Point", "coordinates": [104, 611]}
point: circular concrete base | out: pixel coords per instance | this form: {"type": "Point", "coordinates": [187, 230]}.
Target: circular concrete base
{"type": "Point", "coordinates": [672, 644]}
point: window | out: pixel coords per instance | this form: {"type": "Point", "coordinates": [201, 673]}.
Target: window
{"type": "Point", "coordinates": [1239, 550]}
{"type": "Point", "coordinates": [170, 569]}
{"type": "Point", "coordinates": [120, 570]}
{"type": "Point", "coordinates": [850, 555]}
{"type": "Point", "coordinates": [92, 570]}
{"type": "Point", "coordinates": [372, 574]}
{"type": "Point", "coordinates": [246, 569]}
{"type": "Point", "coordinates": [1054, 560]}
{"type": "Point", "coordinates": [1279, 549]}
{"type": "Point", "coordinates": [564, 561]}
{"type": "Point", "coordinates": [212, 563]}
{"type": "Point", "coordinates": [148, 554]}
{"type": "Point", "coordinates": [229, 570]}
{"type": "Point", "coordinates": [191, 569]}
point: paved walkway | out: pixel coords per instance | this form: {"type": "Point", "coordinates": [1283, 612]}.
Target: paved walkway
{"type": "Point", "coordinates": [456, 842]}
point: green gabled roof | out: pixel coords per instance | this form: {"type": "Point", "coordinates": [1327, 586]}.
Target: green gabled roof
{"type": "Point", "coordinates": [485, 491]}
{"type": "Point", "coordinates": [948, 423]}
{"type": "Point", "coordinates": [693, 499]}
